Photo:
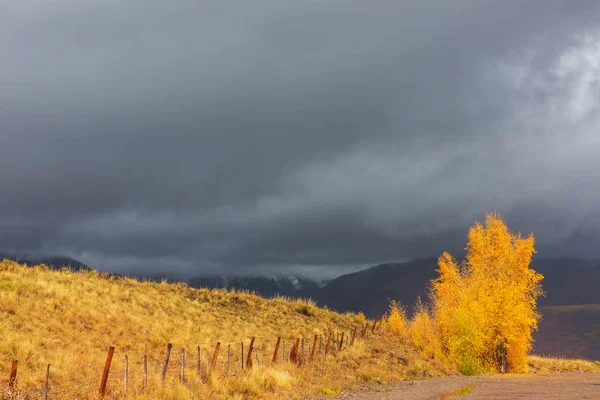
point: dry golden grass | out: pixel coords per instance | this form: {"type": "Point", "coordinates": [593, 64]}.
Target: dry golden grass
{"type": "Point", "coordinates": [561, 365]}
{"type": "Point", "coordinates": [69, 319]}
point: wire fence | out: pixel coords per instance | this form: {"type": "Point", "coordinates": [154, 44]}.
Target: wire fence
{"type": "Point", "coordinates": [127, 373]}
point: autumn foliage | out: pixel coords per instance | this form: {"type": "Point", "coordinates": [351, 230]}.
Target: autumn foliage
{"type": "Point", "coordinates": [483, 309]}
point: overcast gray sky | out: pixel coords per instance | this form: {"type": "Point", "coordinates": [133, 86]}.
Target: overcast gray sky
{"type": "Point", "coordinates": [188, 137]}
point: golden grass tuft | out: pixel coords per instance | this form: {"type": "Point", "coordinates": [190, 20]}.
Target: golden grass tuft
{"type": "Point", "coordinates": [538, 364]}
{"type": "Point", "coordinates": [69, 319]}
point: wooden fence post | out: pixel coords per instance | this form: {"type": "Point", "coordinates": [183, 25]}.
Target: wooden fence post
{"type": "Point", "coordinates": [341, 341]}
{"type": "Point", "coordinates": [328, 343]}
{"type": "Point", "coordinates": [145, 373]}
{"type": "Point", "coordinates": [46, 388]}
{"type": "Point", "coordinates": [249, 359]}
{"type": "Point", "coordinates": [302, 354]}
{"type": "Point", "coordinates": [276, 350]}
{"type": "Point", "coordinates": [228, 354]}
{"type": "Point", "coordinates": [364, 331]}
{"type": "Point", "coordinates": [166, 363]}
{"type": "Point", "coordinates": [312, 351]}
{"type": "Point", "coordinates": [182, 365]}
{"type": "Point", "coordinates": [353, 336]}
{"type": "Point", "coordinates": [213, 363]}
{"type": "Point", "coordinates": [374, 323]}
{"type": "Point", "coordinates": [13, 374]}
{"type": "Point", "coordinates": [126, 379]}
{"type": "Point", "coordinates": [111, 351]}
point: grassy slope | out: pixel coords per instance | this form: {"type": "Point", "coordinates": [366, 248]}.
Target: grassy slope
{"type": "Point", "coordinates": [69, 319]}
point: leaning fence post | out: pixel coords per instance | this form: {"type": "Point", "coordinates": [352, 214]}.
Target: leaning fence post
{"type": "Point", "coordinates": [374, 323]}
{"type": "Point", "coordinates": [364, 331]}
{"type": "Point", "coordinates": [353, 336]}
{"type": "Point", "coordinates": [126, 379]}
{"type": "Point", "coordinates": [13, 374]}
{"type": "Point", "coordinates": [111, 351]}
{"type": "Point", "coordinates": [342, 341]}
{"type": "Point", "coordinates": [249, 359]}
{"type": "Point", "coordinates": [276, 350]}
{"type": "Point", "coordinates": [182, 365]}
{"type": "Point", "coordinates": [46, 385]}
{"type": "Point", "coordinates": [312, 351]}
{"type": "Point", "coordinates": [166, 364]}
{"type": "Point", "coordinates": [213, 363]}
{"type": "Point", "coordinates": [145, 373]}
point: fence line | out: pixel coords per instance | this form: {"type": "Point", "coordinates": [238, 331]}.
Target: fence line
{"type": "Point", "coordinates": [298, 354]}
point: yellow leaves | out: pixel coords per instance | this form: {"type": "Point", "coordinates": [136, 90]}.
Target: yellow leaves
{"type": "Point", "coordinates": [485, 309]}
{"type": "Point", "coordinates": [397, 321]}
{"type": "Point", "coordinates": [423, 334]}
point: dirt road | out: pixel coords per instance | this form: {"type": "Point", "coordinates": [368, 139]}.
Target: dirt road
{"type": "Point", "coordinates": [539, 386]}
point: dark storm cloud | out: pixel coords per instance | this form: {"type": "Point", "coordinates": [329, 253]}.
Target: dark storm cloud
{"type": "Point", "coordinates": [188, 137]}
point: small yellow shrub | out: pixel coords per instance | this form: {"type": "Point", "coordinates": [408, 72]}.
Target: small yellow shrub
{"type": "Point", "coordinates": [360, 318]}
{"type": "Point", "coordinates": [396, 322]}
{"type": "Point", "coordinates": [423, 333]}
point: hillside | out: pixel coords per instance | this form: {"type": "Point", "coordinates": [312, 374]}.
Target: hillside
{"type": "Point", "coordinates": [570, 331]}
{"type": "Point", "coordinates": [371, 290]}
{"type": "Point", "coordinates": [69, 319]}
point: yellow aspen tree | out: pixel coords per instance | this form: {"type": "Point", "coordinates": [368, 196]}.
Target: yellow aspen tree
{"type": "Point", "coordinates": [485, 308]}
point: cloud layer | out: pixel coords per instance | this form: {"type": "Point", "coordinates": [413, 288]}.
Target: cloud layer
{"type": "Point", "coordinates": [246, 137]}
